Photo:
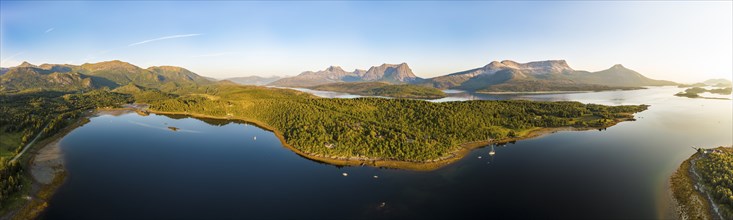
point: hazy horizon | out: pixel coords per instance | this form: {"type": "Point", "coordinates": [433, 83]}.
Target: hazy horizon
{"type": "Point", "coordinates": [662, 40]}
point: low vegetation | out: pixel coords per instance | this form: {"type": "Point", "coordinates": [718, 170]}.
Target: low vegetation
{"type": "Point", "coordinates": [706, 176]}
{"type": "Point", "coordinates": [384, 89]}
{"type": "Point", "coordinates": [691, 204]}
{"type": "Point", "coordinates": [716, 169]}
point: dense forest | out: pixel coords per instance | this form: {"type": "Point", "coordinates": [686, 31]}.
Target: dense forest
{"type": "Point", "coordinates": [393, 129]}
{"type": "Point", "coordinates": [27, 115]}
{"type": "Point", "coordinates": [716, 169]}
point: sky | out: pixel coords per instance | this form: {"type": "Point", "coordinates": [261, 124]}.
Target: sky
{"type": "Point", "coordinates": [680, 41]}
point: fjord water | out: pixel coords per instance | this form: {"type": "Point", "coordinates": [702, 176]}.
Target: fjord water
{"type": "Point", "coordinates": [130, 167]}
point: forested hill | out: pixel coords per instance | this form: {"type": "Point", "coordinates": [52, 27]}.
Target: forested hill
{"type": "Point", "coordinates": [109, 74]}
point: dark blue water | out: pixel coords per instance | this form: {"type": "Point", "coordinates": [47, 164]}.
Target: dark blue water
{"type": "Point", "coordinates": [132, 167]}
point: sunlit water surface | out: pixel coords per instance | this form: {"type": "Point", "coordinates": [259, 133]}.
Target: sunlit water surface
{"type": "Point", "coordinates": [131, 167]}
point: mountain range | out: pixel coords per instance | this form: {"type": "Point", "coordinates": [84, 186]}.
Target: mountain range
{"type": "Point", "coordinates": [110, 74]}
{"type": "Point", "coordinates": [504, 76]}
{"type": "Point", "coordinates": [392, 73]}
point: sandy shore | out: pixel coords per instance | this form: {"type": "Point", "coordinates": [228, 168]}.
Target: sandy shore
{"type": "Point", "coordinates": [46, 166]}
{"type": "Point", "coordinates": [48, 163]}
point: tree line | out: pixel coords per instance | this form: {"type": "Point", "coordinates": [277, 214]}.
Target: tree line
{"type": "Point", "coordinates": [44, 114]}
{"type": "Point", "coordinates": [716, 169]}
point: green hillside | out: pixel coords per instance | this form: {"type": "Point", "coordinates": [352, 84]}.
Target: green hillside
{"type": "Point", "coordinates": [110, 74]}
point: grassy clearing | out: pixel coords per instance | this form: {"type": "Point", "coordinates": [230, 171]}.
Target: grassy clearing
{"type": "Point", "coordinates": [9, 142]}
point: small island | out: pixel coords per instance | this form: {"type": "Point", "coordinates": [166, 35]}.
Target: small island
{"type": "Point", "coordinates": [695, 92]}
{"type": "Point", "coordinates": [383, 89]}
{"type": "Point", "coordinates": [702, 186]}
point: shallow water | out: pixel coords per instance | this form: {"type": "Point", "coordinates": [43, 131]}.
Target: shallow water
{"type": "Point", "coordinates": [131, 166]}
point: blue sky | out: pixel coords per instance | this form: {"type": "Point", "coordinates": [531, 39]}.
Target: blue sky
{"type": "Point", "coordinates": [682, 41]}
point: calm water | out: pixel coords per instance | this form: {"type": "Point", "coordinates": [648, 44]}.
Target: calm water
{"type": "Point", "coordinates": [131, 167]}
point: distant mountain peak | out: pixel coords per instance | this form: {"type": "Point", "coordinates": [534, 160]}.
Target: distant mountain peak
{"type": "Point", "coordinates": [26, 64]}
{"type": "Point", "coordinates": [390, 72]}
{"type": "Point", "coordinates": [118, 62]}
{"type": "Point", "coordinates": [542, 75]}
{"type": "Point", "coordinates": [618, 66]}
{"type": "Point", "coordinates": [168, 68]}
{"type": "Point", "coordinates": [334, 69]}
{"type": "Point", "coordinates": [395, 73]}
{"type": "Point", "coordinates": [536, 67]}
{"type": "Point", "coordinates": [510, 63]}
{"type": "Point", "coordinates": [112, 64]}
{"type": "Point", "coordinates": [494, 63]}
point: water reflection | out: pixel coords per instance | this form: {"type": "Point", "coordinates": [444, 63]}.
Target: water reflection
{"type": "Point", "coordinates": [116, 166]}
{"type": "Point", "coordinates": [617, 97]}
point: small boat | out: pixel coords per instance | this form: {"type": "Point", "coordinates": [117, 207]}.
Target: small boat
{"type": "Point", "coordinates": [492, 152]}
{"type": "Point", "coordinates": [376, 177]}
{"type": "Point", "coordinates": [345, 174]}
{"type": "Point", "coordinates": [255, 138]}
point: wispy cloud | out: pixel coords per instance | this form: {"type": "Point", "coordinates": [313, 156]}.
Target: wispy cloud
{"type": "Point", "coordinates": [164, 38]}
{"type": "Point", "coordinates": [48, 30]}
{"type": "Point", "coordinates": [214, 54]}
{"type": "Point", "coordinates": [6, 59]}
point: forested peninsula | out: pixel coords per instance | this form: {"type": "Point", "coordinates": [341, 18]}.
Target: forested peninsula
{"type": "Point", "coordinates": [374, 129]}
